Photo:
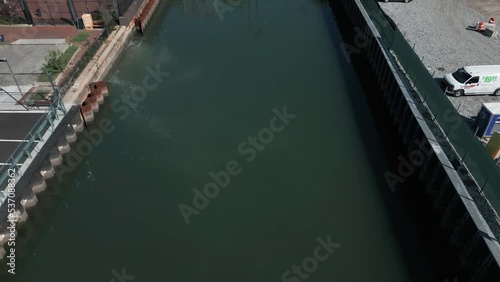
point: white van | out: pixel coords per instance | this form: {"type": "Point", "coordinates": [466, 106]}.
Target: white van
{"type": "Point", "coordinates": [473, 80]}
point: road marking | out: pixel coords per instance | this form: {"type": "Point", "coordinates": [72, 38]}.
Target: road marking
{"type": "Point", "coordinates": [18, 141]}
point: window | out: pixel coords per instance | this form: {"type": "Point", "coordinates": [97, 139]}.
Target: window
{"type": "Point", "coordinates": [461, 75]}
{"type": "Point", "coordinates": [475, 79]}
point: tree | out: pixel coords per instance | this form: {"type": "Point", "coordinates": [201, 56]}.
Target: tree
{"type": "Point", "coordinates": [54, 63]}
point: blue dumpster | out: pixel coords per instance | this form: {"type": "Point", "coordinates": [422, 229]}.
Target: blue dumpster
{"type": "Point", "coordinates": [488, 120]}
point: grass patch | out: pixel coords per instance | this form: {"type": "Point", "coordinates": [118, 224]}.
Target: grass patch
{"type": "Point", "coordinates": [42, 92]}
{"type": "Point", "coordinates": [43, 78]}
{"type": "Point", "coordinates": [66, 56]}
{"type": "Point", "coordinates": [38, 95]}
{"type": "Point", "coordinates": [81, 37]}
{"type": "Point", "coordinates": [57, 62]}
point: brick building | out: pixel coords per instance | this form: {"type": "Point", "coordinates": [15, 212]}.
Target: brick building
{"type": "Point", "coordinates": [55, 12]}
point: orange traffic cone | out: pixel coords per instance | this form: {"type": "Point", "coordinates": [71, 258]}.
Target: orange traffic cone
{"type": "Point", "coordinates": [492, 20]}
{"type": "Point", "coordinates": [480, 26]}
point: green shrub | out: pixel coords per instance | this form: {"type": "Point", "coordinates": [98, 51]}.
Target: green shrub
{"type": "Point", "coordinates": [54, 64]}
{"type": "Point", "coordinates": [37, 97]}
{"type": "Point", "coordinates": [42, 92]}
{"type": "Point", "coordinates": [66, 56]}
{"type": "Point", "coordinates": [56, 61]}
{"type": "Point", "coordinates": [105, 14]}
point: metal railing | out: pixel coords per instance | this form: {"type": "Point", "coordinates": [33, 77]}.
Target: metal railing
{"type": "Point", "coordinates": [26, 149]}
{"type": "Point", "coordinates": [46, 122]}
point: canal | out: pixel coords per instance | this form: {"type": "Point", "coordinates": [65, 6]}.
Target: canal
{"type": "Point", "coordinates": [240, 148]}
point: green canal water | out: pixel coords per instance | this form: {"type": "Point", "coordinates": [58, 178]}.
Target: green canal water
{"type": "Point", "coordinates": [306, 188]}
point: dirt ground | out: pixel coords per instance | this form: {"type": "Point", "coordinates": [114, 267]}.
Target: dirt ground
{"type": "Point", "coordinates": [489, 8]}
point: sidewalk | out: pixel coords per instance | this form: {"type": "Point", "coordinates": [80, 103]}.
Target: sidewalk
{"type": "Point", "coordinates": [39, 32]}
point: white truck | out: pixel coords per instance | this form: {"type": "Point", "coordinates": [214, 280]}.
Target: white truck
{"type": "Point", "coordinates": [473, 80]}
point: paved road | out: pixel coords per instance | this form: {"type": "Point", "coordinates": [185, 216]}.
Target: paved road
{"type": "Point", "coordinates": [15, 127]}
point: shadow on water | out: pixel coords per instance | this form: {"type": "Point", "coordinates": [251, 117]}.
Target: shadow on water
{"type": "Point", "coordinates": [417, 219]}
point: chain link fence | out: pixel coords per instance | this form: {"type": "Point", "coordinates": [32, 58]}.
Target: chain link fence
{"type": "Point", "coordinates": [70, 76]}
{"type": "Point", "coordinates": [56, 12]}
{"type": "Point", "coordinates": [11, 12]}
{"type": "Point", "coordinates": [470, 150]}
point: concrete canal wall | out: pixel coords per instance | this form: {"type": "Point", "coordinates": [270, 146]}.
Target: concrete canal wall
{"type": "Point", "coordinates": [470, 227]}
{"type": "Point", "coordinates": [83, 102]}
{"type": "Point", "coordinates": [111, 51]}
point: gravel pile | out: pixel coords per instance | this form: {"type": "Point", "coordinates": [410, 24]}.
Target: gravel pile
{"type": "Point", "coordinates": [438, 29]}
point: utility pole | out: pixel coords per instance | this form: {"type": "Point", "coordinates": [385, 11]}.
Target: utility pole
{"type": "Point", "coordinates": [26, 11]}
{"type": "Point", "coordinates": [13, 98]}
{"type": "Point", "coordinates": [72, 11]}
{"type": "Point", "coordinates": [13, 76]}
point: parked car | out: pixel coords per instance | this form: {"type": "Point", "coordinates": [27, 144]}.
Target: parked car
{"type": "Point", "coordinates": [473, 80]}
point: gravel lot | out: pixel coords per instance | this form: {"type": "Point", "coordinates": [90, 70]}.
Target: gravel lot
{"type": "Point", "coordinates": [439, 31]}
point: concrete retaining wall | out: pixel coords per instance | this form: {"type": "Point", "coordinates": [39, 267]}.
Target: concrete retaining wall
{"type": "Point", "coordinates": [102, 63]}
{"type": "Point", "coordinates": [134, 9]}
{"type": "Point", "coordinates": [477, 245]}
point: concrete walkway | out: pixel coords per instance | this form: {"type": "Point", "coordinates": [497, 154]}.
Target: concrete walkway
{"type": "Point", "coordinates": [41, 32]}
{"type": "Point", "coordinates": [39, 41]}
{"type": "Point", "coordinates": [7, 103]}
{"type": "Point", "coordinates": [26, 62]}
